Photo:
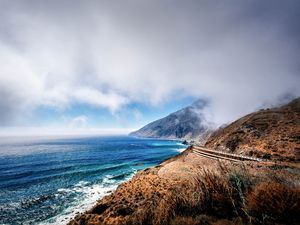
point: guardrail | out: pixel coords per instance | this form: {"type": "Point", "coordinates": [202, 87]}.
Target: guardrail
{"type": "Point", "coordinates": [209, 153]}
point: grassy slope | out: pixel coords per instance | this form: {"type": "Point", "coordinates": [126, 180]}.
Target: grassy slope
{"type": "Point", "coordinates": [195, 190]}
{"type": "Point", "coordinates": [191, 190]}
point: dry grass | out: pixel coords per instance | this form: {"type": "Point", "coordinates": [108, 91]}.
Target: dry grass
{"type": "Point", "coordinates": [223, 195]}
{"type": "Point", "coordinates": [272, 202]}
{"type": "Point", "coordinates": [236, 195]}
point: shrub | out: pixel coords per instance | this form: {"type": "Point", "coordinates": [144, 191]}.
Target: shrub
{"type": "Point", "coordinates": [241, 183]}
{"type": "Point", "coordinates": [198, 220]}
{"type": "Point", "coordinates": [216, 194]}
{"type": "Point", "coordinates": [272, 202]}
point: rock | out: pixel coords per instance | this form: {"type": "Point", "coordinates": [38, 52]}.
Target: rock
{"type": "Point", "coordinates": [185, 142]}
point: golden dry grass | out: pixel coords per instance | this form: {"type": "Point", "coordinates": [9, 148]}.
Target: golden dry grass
{"type": "Point", "coordinates": [274, 202]}
{"type": "Point", "coordinates": [217, 193]}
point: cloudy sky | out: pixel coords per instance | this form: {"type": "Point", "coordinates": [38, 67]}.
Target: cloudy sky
{"type": "Point", "coordinates": [121, 64]}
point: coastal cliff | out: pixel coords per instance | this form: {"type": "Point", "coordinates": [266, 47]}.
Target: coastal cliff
{"type": "Point", "coordinates": [197, 189]}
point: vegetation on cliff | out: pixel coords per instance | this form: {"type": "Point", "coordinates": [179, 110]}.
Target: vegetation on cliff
{"type": "Point", "coordinates": [191, 190]}
{"type": "Point", "coordinates": [195, 190]}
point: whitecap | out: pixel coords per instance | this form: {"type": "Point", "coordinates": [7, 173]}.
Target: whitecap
{"type": "Point", "coordinates": [89, 194]}
{"type": "Point", "coordinates": [63, 190]}
{"type": "Point", "coordinates": [180, 149]}
{"type": "Point", "coordinates": [108, 179]}
{"type": "Point", "coordinates": [81, 183]}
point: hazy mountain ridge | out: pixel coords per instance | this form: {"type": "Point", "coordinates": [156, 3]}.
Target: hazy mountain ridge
{"type": "Point", "coordinates": [186, 123]}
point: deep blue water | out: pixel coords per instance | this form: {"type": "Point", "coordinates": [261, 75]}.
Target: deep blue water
{"type": "Point", "coordinates": [48, 181]}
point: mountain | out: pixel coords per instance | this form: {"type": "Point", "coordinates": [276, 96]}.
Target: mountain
{"type": "Point", "coordinates": [270, 133]}
{"type": "Point", "coordinates": [187, 123]}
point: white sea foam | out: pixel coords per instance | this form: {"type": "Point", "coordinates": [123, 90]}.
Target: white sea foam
{"type": "Point", "coordinates": [180, 149]}
{"type": "Point", "coordinates": [89, 194]}
{"type": "Point", "coordinates": [179, 143]}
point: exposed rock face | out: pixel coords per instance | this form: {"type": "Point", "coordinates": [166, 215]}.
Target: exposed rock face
{"type": "Point", "coordinates": [270, 133]}
{"type": "Point", "coordinates": [187, 123]}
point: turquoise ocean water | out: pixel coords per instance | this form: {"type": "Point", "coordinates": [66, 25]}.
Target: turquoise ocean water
{"type": "Point", "coordinates": [49, 180]}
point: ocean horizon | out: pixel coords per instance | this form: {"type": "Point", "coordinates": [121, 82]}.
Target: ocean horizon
{"type": "Point", "coordinates": [49, 180]}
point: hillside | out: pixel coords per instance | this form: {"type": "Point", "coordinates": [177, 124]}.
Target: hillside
{"type": "Point", "coordinates": [270, 133]}
{"type": "Point", "coordinates": [187, 123]}
{"type": "Point", "coordinates": [193, 189]}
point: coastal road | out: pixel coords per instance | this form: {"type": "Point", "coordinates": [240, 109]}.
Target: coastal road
{"type": "Point", "coordinates": [213, 154]}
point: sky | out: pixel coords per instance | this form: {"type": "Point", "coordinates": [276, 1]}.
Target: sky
{"type": "Point", "coordinates": [117, 65]}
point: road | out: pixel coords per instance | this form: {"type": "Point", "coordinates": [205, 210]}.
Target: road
{"type": "Point", "coordinates": [213, 154]}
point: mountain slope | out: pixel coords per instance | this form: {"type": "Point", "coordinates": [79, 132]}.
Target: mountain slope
{"type": "Point", "coordinates": [187, 123]}
{"type": "Point", "coordinates": [270, 133]}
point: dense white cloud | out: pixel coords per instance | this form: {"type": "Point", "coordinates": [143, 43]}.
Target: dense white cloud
{"type": "Point", "coordinates": [237, 54]}
{"type": "Point", "coordinates": [9, 134]}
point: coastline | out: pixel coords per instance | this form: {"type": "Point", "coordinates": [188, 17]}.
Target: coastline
{"type": "Point", "coordinates": [206, 186]}
{"type": "Point", "coordinates": [62, 219]}
{"type": "Point", "coordinates": [92, 202]}
{"type": "Point", "coordinates": [147, 170]}
{"type": "Point", "coordinates": [165, 194]}
{"type": "Point", "coordinates": [75, 174]}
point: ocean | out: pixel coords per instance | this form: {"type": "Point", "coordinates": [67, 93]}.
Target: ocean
{"type": "Point", "coordinates": [49, 180]}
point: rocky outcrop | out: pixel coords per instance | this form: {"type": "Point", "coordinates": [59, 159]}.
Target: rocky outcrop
{"type": "Point", "coordinates": [187, 123]}
{"type": "Point", "coordinates": [272, 133]}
